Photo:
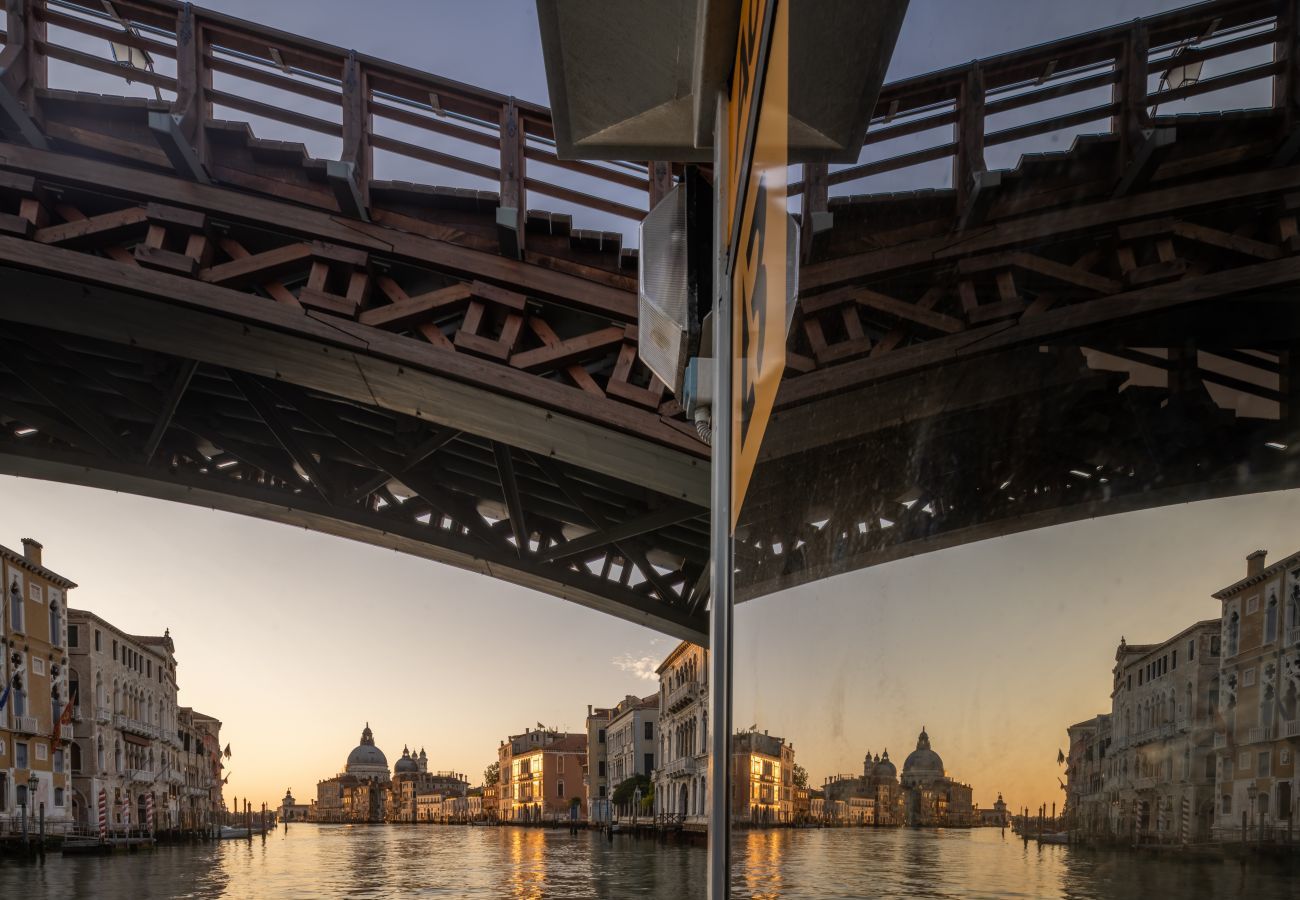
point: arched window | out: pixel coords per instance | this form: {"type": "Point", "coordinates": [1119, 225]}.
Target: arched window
{"type": "Point", "coordinates": [56, 630]}
{"type": "Point", "coordinates": [1233, 627]}
{"type": "Point", "coordinates": [117, 757]}
{"type": "Point", "coordinates": [1270, 620]}
{"type": "Point", "coordinates": [76, 758]}
{"type": "Point", "coordinates": [99, 754]}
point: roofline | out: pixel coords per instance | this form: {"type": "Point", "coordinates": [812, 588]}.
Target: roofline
{"type": "Point", "coordinates": [1144, 649]}
{"type": "Point", "coordinates": [142, 641]}
{"type": "Point", "coordinates": [672, 655]}
{"type": "Point", "coordinates": [48, 574]}
{"type": "Point", "coordinates": [1263, 575]}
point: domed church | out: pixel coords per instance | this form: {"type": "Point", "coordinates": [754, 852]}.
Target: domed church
{"type": "Point", "coordinates": [930, 798]}
{"type": "Point", "coordinates": [367, 761]}
{"type": "Point", "coordinates": [360, 792]}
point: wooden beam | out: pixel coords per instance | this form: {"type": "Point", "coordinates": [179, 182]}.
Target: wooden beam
{"type": "Point", "coordinates": [510, 490]}
{"type": "Point", "coordinates": [661, 181]}
{"type": "Point", "coordinates": [813, 216]}
{"type": "Point", "coordinates": [559, 355]}
{"type": "Point", "coordinates": [23, 72]}
{"type": "Point", "coordinates": [407, 310]}
{"type": "Point", "coordinates": [969, 158]}
{"type": "Point", "coordinates": [263, 402]}
{"type": "Point", "coordinates": [512, 212]}
{"type": "Point", "coordinates": [633, 527]}
{"type": "Point", "coordinates": [82, 414]}
{"type": "Point", "coordinates": [166, 129]}
{"type": "Point", "coordinates": [1039, 265]}
{"type": "Point", "coordinates": [554, 471]}
{"type": "Point", "coordinates": [440, 438]}
{"type": "Point", "coordinates": [258, 267]}
{"type": "Point", "coordinates": [171, 401]}
{"type": "Point", "coordinates": [288, 218]}
{"type": "Point", "coordinates": [357, 155]}
{"type": "Point", "coordinates": [102, 228]}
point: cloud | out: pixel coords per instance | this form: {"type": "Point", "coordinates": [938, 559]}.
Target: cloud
{"type": "Point", "coordinates": [643, 667]}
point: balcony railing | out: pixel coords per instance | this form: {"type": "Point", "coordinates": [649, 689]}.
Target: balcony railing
{"type": "Point", "coordinates": [1293, 636]}
{"type": "Point", "coordinates": [135, 726]}
{"type": "Point", "coordinates": [1256, 735]}
{"type": "Point", "coordinates": [103, 715]}
{"type": "Point", "coordinates": [1145, 783]}
{"type": "Point", "coordinates": [140, 775]}
{"type": "Point", "coordinates": [683, 696]}
{"type": "Point", "coordinates": [26, 725]}
{"type": "Point", "coordinates": [65, 732]}
{"type": "Point", "coordinates": [1220, 741]}
{"type": "Point", "coordinates": [1290, 729]}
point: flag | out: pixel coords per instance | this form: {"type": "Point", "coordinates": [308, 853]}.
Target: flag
{"type": "Point", "coordinates": [1060, 757]}
{"type": "Point", "coordinates": [64, 719]}
{"type": "Point", "coordinates": [4, 697]}
{"type": "Point", "coordinates": [226, 752]}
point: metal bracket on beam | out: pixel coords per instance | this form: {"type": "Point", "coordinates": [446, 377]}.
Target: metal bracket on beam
{"type": "Point", "coordinates": [16, 123]}
{"type": "Point", "coordinates": [343, 179]}
{"type": "Point", "coordinates": [1149, 153]}
{"type": "Point", "coordinates": [980, 198]}
{"type": "Point", "coordinates": [508, 232]}
{"type": "Point", "coordinates": [167, 132]}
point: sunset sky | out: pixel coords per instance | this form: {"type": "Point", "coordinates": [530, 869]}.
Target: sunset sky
{"type": "Point", "coordinates": [295, 640]}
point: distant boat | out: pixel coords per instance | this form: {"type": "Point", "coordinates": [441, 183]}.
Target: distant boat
{"type": "Point", "coordinates": [1059, 837]}
{"type": "Point", "coordinates": [230, 831]}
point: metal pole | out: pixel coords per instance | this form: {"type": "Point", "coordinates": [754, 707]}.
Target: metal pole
{"type": "Point", "coordinates": [720, 533]}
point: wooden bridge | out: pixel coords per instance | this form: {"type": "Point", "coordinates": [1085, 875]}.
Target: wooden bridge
{"type": "Point", "coordinates": [193, 308]}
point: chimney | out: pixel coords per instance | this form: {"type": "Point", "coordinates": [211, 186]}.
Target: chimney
{"type": "Point", "coordinates": [1254, 562]}
{"type": "Point", "coordinates": [32, 551]}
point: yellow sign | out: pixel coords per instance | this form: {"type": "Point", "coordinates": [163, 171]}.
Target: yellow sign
{"type": "Point", "coordinates": [758, 273]}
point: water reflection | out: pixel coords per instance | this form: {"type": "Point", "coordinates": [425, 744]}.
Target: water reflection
{"type": "Point", "coordinates": [373, 862]}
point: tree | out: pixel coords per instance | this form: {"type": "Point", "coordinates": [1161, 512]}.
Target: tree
{"type": "Point", "coordinates": [492, 774]}
{"type": "Point", "coordinates": [626, 790]}
{"type": "Point", "coordinates": [800, 776]}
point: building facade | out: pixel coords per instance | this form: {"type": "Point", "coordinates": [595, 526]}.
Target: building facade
{"type": "Point", "coordinates": [36, 685]}
{"type": "Point", "coordinates": [762, 779]}
{"type": "Point", "coordinates": [541, 776]}
{"type": "Point", "coordinates": [1160, 770]}
{"type": "Point", "coordinates": [624, 746]}
{"type": "Point", "coordinates": [128, 741]}
{"type": "Point", "coordinates": [1087, 800]}
{"type": "Point", "coordinates": [682, 764]}
{"type": "Point", "coordinates": [1259, 690]}
{"type": "Point", "coordinates": [877, 783]}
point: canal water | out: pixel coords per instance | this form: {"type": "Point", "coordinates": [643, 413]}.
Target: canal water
{"type": "Point", "coordinates": [437, 861]}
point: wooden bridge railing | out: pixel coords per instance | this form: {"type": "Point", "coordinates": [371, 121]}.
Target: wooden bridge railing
{"type": "Point", "coordinates": [494, 138]}
{"type": "Point", "coordinates": [202, 56]}
{"type": "Point", "coordinates": [1052, 87]}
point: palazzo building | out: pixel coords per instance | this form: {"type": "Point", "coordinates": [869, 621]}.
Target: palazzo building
{"type": "Point", "coordinates": [762, 779]}
{"type": "Point", "coordinates": [621, 744]}
{"type": "Point", "coordinates": [682, 764]}
{"type": "Point", "coordinates": [128, 741]}
{"type": "Point", "coordinates": [541, 776]}
{"type": "Point", "coordinates": [1259, 699]}
{"type": "Point", "coordinates": [35, 770]}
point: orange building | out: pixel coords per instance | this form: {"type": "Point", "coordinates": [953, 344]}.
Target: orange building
{"type": "Point", "coordinates": [34, 767]}
{"type": "Point", "coordinates": [542, 776]}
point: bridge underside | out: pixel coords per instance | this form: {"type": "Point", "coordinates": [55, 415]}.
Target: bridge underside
{"type": "Point", "coordinates": [1101, 330]}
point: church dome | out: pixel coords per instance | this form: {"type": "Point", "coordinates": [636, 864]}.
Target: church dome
{"type": "Point", "coordinates": [923, 762]}
{"type": "Point", "coordinates": [406, 763]}
{"type": "Point", "coordinates": [367, 759]}
{"type": "Point", "coordinates": [884, 768]}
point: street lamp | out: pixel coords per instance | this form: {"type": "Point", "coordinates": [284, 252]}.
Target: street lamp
{"type": "Point", "coordinates": [32, 784]}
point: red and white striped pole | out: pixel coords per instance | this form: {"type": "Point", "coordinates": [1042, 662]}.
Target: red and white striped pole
{"type": "Point", "coordinates": [148, 812]}
{"type": "Point", "coordinates": [103, 814]}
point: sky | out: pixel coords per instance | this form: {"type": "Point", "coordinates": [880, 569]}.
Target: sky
{"type": "Point", "coordinates": [296, 640]}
